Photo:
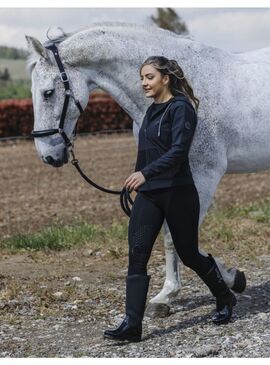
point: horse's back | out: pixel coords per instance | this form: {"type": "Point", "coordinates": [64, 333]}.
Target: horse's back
{"type": "Point", "coordinates": [257, 55]}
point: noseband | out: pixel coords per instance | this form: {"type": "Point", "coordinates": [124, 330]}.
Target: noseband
{"type": "Point", "coordinates": [124, 193]}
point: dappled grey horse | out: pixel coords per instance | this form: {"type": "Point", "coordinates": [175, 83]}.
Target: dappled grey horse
{"type": "Point", "coordinates": [233, 131]}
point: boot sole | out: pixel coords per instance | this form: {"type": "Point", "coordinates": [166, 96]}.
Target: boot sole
{"type": "Point", "coordinates": [129, 339]}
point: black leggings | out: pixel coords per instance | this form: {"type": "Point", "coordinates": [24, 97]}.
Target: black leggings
{"type": "Point", "coordinates": [180, 206]}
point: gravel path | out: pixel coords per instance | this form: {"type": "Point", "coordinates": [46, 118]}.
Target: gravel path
{"type": "Point", "coordinates": [61, 327]}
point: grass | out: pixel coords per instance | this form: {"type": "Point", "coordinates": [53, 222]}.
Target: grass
{"type": "Point", "coordinates": [15, 89]}
{"type": "Point", "coordinates": [20, 85]}
{"type": "Point", "coordinates": [61, 237]}
{"type": "Point", "coordinates": [242, 229]}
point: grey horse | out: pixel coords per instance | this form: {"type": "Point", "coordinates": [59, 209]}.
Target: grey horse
{"type": "Point", "coordinates": [233, 132]}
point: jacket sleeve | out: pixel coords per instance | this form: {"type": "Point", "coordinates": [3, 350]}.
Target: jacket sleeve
{"type": "Point", "coordinates": [183, 128]}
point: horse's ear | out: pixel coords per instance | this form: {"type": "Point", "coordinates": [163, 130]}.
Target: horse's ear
{"type": "Point", "coordinates": [34, 45]}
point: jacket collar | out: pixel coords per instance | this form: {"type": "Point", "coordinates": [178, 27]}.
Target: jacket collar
{"type": "Point", "coordinates": [162, 106]}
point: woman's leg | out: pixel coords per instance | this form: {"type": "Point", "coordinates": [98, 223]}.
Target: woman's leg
{"type": "Point", "coordinates": [182, 209]}
{"type": "Point", "coordinates": [182, 215]}
{"type": "Point", "coordinates": [145, 222]}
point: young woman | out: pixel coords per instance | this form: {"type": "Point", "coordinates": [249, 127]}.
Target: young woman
{"type": "Point", "coordinates": [165, 190]}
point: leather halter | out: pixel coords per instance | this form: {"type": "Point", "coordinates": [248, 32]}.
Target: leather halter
{"type": "Point", "coordinates": [68, 93]}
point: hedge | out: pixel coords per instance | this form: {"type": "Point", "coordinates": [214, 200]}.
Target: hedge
{"type": "Point", "coordinates": [101, 113]}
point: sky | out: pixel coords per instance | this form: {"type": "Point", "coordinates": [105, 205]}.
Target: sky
{"type": "Point", "coordinates": [232, 29]}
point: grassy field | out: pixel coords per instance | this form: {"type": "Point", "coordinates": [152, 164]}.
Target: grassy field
{"type": "Point", "coordinates": [242, 230]}
{"type": "Point", "coordinates": [19, 89]}
{"type": "Point", "coordinates": [19, 86]}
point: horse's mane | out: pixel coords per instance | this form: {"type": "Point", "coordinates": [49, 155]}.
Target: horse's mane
{"type": "Point", "coordinates": [101, 26]}
{"type": "Point", "coordinates": [64, 35]}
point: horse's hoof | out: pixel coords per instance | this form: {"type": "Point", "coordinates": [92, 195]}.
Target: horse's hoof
{"type": "Point", "coordinates": [155, 310]}
{"type": "Point", "coordinates": [240, 282]}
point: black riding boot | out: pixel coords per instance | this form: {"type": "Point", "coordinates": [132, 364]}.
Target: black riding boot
{"type": "Point", "coordinates": [225, 299]}
{"type": "Point", "coordinates": [131, 327]}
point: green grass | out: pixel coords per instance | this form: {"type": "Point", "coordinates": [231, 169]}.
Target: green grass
{"type": "Point", "coordinates": [19, 86]}
{"type": "Point", "coordinates": [258, 211]}
{"type": "Point", "coordinates": [19, 89]}
{"type": "Point", "coordinates": [243, 230]}
{"type": "Point", "coordinates": [59, 237]}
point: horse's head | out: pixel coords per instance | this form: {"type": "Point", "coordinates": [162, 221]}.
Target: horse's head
{"type": "Point", "coordinates": [50, 91]}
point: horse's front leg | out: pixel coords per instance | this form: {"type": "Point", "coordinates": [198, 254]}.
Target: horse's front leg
{"type": "Point", "coordinates": [159, 306]}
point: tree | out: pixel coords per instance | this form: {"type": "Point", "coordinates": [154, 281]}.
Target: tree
{"type": "Point", "coordinates": [167, 18]}
{"type": "Point", "coordinates": [5, 76]}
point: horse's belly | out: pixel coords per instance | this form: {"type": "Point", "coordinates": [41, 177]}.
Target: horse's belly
{"type": "Point", "coordinates": [251, 158]}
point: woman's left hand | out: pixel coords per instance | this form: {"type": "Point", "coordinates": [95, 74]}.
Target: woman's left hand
{"type": "Point", "coordinates": [134, 181]}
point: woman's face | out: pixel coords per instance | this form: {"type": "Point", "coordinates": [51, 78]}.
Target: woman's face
{"type": "Point", "coordinates": [153, 83]}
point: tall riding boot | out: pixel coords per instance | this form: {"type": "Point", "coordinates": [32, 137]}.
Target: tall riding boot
{"type": "Point", "coordinates": [131, 327]}
{"type": "Point", "coordinates": [225, 299]}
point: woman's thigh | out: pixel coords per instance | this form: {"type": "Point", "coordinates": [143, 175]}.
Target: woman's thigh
{"type": "Point", "coordinates": [145, 222]}
{"type": "Point", "coordinates": [182, 211]}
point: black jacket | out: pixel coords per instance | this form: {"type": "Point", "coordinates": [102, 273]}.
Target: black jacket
{"type": "Point", "coordinates": [164, 141]}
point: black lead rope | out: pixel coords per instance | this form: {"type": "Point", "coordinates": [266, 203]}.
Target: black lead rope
{"type": "Point", "coordinates": [125, 198]}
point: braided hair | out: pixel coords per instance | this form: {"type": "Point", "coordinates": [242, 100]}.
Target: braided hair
{"type": "Point", "coordinates": [178, 83]}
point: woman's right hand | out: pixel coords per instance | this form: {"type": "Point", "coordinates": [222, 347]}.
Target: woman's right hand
{"type": "Point", "coordinates": [134, 181]}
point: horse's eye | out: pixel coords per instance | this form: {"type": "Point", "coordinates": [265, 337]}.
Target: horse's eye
{"type": "Point", "coordinates": [48, 93]}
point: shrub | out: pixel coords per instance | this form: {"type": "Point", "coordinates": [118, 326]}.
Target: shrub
{"type": "Point", "coordinates": [101, 113]}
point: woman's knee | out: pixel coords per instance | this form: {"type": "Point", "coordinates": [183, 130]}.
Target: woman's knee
{"type": "Point", "coordinates": [187, 260]}
{"type": "Point", "coordinates": [138, 255]}
{"type": "Point", "coordinates": [138, 259]}
{"type": "Point", "coordinates": [190, 258]}
{"type": "Point", "coordinates": [195, 261]}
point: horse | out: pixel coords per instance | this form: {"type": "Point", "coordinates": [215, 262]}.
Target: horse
{"type": "Point", "coordinates": [232, 134]}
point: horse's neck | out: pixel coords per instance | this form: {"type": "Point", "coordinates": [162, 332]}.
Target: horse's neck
{"type": "Point", "coordinates": [108, 61]}
{"type": "Point", "coordinates": [110, 58]}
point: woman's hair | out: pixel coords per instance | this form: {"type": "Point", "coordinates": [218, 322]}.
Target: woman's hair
{"type": "Point", "coordinates": [178, 83]}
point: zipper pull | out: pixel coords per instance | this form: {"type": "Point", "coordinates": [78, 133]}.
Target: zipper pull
{"type": "Point", "coordinates": [162, 118]}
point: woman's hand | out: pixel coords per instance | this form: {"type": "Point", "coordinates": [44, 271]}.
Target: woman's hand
{"type": "Point", "coordinates": [134, 181]}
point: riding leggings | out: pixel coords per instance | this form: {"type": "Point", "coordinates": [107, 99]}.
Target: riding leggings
{"type": "Point", "coordinates": [180, 206]}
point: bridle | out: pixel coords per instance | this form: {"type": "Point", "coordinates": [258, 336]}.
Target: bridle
{"type": "Point", "coordinates": [124, 193]}
{"type": "Point", "coordinates": [68, 94]}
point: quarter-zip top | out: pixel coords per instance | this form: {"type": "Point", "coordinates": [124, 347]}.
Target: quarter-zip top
{"type": "Point", "coordinates": [164, 142]}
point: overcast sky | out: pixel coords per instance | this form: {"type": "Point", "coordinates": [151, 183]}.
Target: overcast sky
{"type": "Point", "coordinates": [232, 29]}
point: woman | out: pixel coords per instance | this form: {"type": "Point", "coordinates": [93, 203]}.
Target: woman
{"type": "Point", "coordinates": [166, 190]}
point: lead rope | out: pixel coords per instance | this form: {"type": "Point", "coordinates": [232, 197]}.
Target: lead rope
{"type": "Point", "coordinates": [125, 198]}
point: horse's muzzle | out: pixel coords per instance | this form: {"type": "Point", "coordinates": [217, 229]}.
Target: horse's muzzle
{"type": "Point", "coordinates": [57, 162]}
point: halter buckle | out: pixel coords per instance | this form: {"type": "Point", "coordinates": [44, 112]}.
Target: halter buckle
{"type": "Point", "coordinates": [64, 76]}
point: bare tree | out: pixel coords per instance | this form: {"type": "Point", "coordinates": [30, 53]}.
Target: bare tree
{"type": "Point", "coordinates": [167, 18]}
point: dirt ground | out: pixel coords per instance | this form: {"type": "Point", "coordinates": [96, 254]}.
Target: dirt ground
{"type": "Point", "coordinates": [34, 195]}
{"type": "Point", "coordinates": [58, 304]}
